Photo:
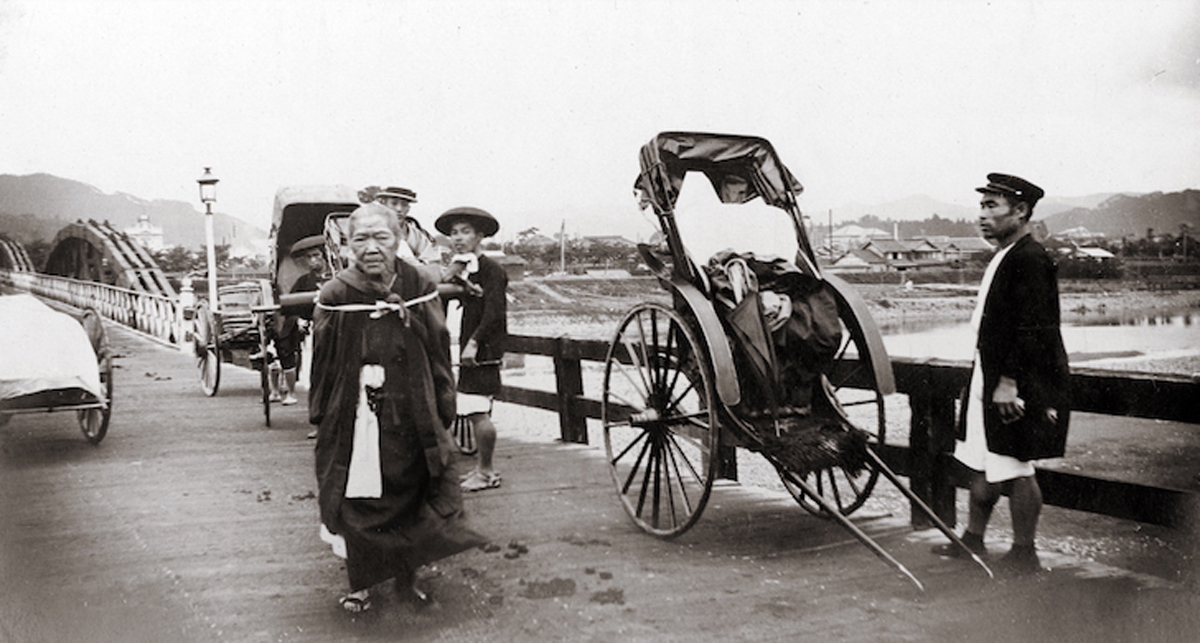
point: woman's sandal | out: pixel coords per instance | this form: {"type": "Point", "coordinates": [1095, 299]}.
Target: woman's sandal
{"type": "Point", "coordinates": [356, 602]}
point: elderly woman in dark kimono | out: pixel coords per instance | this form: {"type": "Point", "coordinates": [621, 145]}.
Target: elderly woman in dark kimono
{"type": "Point", "coordinates": [382, 395]}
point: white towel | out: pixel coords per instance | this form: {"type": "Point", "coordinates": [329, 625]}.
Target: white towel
{"type": "Point", "coordinates": [365, 480]}
{"type": "Point", "coordinates": [470, 260]}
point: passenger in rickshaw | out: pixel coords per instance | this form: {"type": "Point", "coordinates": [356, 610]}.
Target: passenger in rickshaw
{"type": "Point", "coordinates": [785, 327]}
{"type": "Point", "coordinates": [418, 247]}
{"type": "Point", "coordinates": [308, 253]}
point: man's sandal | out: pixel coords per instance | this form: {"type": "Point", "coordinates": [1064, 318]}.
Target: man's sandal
{"type": "Point", "coordinates": [356, 602]}
{"type": "Point", "coordinates": [478, 481]}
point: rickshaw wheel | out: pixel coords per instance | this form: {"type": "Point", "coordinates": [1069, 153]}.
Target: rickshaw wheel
{"type": "Point", "coordinates": [94, 422]}
{"type": "Point", "coordinates": [865, 409]}
{"type": "Point", "coordinates": [208, 355]}
{"type": "Point", "coordinates": [660, 418]}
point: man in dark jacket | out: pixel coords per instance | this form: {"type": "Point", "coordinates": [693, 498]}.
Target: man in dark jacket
{"type": "Point", "coordinates": [1017, 408]}
{"type": "Point", "coordinates": [382, 396]}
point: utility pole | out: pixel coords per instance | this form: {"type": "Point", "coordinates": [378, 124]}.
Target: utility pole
{"type": "Point", "coordinates": [830, 241]}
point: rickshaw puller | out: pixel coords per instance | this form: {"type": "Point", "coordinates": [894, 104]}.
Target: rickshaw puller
{"type": "Point", "coordinates": [308, 253]}
{"type": "Point", "coordinates": [1017, 407]}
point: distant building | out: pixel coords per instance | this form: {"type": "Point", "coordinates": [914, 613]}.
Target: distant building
{"type": "Point", "coordinates": [859, 260]}
{"type": "Point", "coordinates": [852, 236]}
{"type": "Point", "coordinates": [1081, 235]}
{"type": "Point", "coordinates": [1099, 255]}
{"type": "Point", "coordinates": [906, 253]}
{"type": "Point", "coordinates": [148, 236]}
{"type": "Point", "coordinates": [610, 239]}
{"type": "Point", "coordinates": [959, 249]}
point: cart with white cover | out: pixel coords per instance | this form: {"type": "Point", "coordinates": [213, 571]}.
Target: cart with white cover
{"type": "Point", "coordinates": [54, 361]}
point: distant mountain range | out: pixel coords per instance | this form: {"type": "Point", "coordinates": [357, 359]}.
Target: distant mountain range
{"type": "Point", "coordinates": [37, 206]}
{"type": "Point", "coordinates": [1114, 215]}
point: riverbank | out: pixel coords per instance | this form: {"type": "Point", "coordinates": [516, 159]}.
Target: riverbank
{"type": "Point", "coordinates": [592, 308]}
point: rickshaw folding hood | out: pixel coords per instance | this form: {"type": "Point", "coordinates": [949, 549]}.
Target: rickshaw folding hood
{"type": "Point", "coordinates": [669, 156]}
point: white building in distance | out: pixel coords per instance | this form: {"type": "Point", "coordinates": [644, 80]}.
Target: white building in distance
{"type": "Point", "coordinates": [148, 236]}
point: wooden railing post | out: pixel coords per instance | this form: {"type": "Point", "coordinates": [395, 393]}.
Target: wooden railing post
{"type": "Point", "coordinates": [931, 435]}
{"type": "Point", "coordinates": [568, 379]}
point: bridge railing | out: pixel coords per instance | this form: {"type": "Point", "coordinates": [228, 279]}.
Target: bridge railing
{"type": "Point", "coordinates": [156, 315]}
{"type": "Point", "coordinates": [932, 388]}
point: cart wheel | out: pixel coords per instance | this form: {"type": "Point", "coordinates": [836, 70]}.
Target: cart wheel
{"type": "Point", "coordinates": [208, 354]}
{"type": "Point", "coordinates": [264, 365]}
{"type": "Point", "coordinates": [864, 408]}
{"type": "Point", "coordinates": [94, 422]}
{"type": "Point", "coordinates": [661, 431]}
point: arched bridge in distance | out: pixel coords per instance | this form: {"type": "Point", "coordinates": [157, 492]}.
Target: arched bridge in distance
{"type": "Point", "coordinates": [98, 252]}
{"type": "Point", "coordinates": [13, 256]}
{"type": "Point", "coordinates": [93, 265]}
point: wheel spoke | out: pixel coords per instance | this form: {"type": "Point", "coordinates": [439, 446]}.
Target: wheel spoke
{"type": "Point", "coordinates": [641, 390]}
{"type": "Point", "coordinates": [853, 484]}
{"type": "Point", "coordinates": [833, 487]}
{"type": "Point", "coordinates": [628, 447]}
{"type": "Point", "coordinates": [638, 363]}
{"type": "Point", "coordinates": [687, 461]}
{"type": "Point", "coordinates": [679, 398]}
{"type": "Point", "coordinates": [656, 457]}
{"type": "Point", "coordinates": [637, 464]}
{"type": "Point", "coordinates": [646, 477]}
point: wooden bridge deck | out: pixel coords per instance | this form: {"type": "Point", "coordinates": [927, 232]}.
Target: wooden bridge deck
{"type": "Point", "coordinates": [194, 522]}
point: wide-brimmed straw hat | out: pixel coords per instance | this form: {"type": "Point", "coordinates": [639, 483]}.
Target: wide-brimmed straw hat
{"type": "Point", "coordinates": [485, 223]}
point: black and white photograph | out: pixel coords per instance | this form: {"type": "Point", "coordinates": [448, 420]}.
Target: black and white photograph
{"type": "Point", "coordinates": [608, 320]}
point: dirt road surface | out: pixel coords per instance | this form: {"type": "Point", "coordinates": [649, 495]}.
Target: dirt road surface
{"type": "Point", "coordinates": [192, 521]}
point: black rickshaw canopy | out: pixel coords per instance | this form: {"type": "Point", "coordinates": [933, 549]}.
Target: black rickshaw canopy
{"type": "Point", "coordinates": [740, 169]}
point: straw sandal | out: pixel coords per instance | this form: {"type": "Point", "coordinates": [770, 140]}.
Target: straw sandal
{"type": "Point", "coordinates": [356, 602]}
{"type": "Point", "coordinates": [478, 481]}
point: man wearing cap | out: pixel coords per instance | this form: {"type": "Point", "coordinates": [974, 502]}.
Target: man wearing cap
{"type": "Point", "coordinates": [1016, 409]}
{"type": "Point", "coordinates": [418, 247]}
{"type": "Point", "coordinates": [308, 254]}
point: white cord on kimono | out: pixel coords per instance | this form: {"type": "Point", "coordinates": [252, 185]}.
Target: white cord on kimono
{"type": "Point", "coordinates": [380, 308]}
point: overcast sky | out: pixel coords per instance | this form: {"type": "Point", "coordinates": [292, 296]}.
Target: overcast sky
{"type": "Point", "coordinates": [535, 110]}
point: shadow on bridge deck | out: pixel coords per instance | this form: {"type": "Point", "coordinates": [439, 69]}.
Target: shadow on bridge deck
{"type": "Point", "coordinates": [194, 522]}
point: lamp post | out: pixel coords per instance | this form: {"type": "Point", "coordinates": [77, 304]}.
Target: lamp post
{"type": "Point", "coordinates": [208, 195]}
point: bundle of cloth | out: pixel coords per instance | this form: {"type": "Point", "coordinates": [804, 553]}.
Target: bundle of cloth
{"type": "Point", "coordinates": [43, 350]}
{"type": "Point", "coordinates": [786, 333]}
{"type": "Point", "coordinates": [784, 323]}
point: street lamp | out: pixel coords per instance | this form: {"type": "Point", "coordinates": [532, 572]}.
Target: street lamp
{"type": "Point", "coordinates": [208, 195]}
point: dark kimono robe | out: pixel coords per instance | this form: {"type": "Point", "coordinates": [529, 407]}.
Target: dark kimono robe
{"type": "Point", "coordinates": [1020, 338]}
{"type": "Point", "coordinates": [419, 517]}
{"type": "Point", "coordinates": [484, 319]}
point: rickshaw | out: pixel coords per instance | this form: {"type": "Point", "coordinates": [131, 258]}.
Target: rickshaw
{"type": "Point", "coordinates": [55, 361]}
{"type": "Point", "coordinates": [244, 322]}
{"type": "Point", "coordinates": [761, 351]}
